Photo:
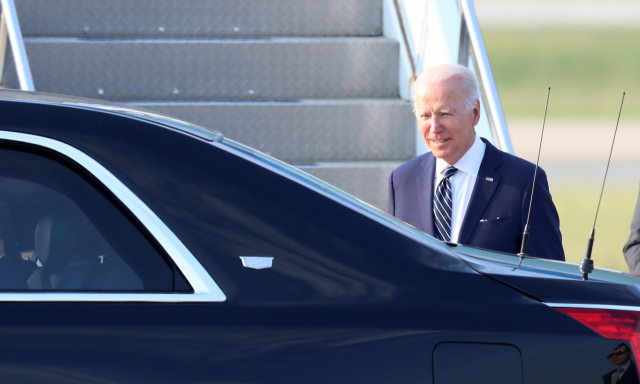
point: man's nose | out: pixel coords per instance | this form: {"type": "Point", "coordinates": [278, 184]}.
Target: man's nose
{"type": "Point", "coordinates": [435, 125]}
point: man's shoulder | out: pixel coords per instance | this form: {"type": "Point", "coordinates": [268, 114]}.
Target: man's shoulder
{"type": "Point", "coordinates": [11, 258]}
{"type": "Point", "coordinates": [516, 162]}
{"type": "Point", "coordinates": [513, 164]}
{"type": "Point", "coordinates": [414, 165]}
{"type": "Point", "coordinates": [607, 376]}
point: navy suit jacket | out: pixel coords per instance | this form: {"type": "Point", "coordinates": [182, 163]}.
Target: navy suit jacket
{"type": "Point", "coordinates": [500, 198]}
{"type": "Point", "coordinates": [629, 377]}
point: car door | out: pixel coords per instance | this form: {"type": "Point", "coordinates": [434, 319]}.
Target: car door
{"type": "Point", "coordinates": [89, 277]}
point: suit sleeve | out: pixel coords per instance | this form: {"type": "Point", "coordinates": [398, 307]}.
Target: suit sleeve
{"type": "Point", "coordinates": [391, 207]}
{"type": "Point", "coordinates": [545, 239]}
{"type": "Point", "coordinates": [631, 250]}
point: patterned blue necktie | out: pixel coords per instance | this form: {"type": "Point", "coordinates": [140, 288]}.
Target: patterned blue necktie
{"type": "Point", "coordinates": [442, 205]}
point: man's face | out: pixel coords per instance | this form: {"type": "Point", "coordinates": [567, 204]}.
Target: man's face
{"type": "Point", "coordinates": [444, 121]}
{"type": "Point", "coordinates": [620, 358]}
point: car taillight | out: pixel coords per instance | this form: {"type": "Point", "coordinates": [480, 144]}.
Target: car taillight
{"type": "Point", "coordinates": [609, 323]}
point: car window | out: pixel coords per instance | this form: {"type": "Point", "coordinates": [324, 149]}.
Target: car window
{"type": "Point", "coordinates": [60, 233]}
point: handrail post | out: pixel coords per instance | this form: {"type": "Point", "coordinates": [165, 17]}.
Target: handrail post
{"type": "Point", "coordinates": [463, 47]}
{"type": "Point", "coordinates": [495, 107]}
{"type": "Point", "coordinates": [17, 45]}
{"type": "Point", "coordinates": [3, 46]}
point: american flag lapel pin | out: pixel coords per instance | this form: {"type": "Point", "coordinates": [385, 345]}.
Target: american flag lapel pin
{"type": "Point", "coordinates": [489, 179]}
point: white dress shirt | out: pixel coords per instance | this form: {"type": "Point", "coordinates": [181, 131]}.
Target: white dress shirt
{"type": "Point", "coordinates": [462, 182]}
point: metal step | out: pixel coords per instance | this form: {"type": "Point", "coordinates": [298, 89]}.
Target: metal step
{"type": "Point", "coordinates": [272, 69]}
{"type": "Point", "coordinates": [199, 18]}
{"type": "Point", "coordinates": [308, 130]}
{"type": "Point", "coordinates": [368, 181]}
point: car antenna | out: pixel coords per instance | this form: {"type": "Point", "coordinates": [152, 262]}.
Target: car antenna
{"type": "Point", "coordinates": [586, 266]}
{"type": "Point", "coordinates": [525, 235]}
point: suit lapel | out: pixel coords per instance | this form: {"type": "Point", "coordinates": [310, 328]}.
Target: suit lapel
{"type": "Point", "coordinates": [486, 184]}
{"type": "Point", "coordinates": [425, 192]}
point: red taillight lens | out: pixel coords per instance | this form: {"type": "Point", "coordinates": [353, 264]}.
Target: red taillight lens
{"type": "Point", "coordinates": [612, 324]}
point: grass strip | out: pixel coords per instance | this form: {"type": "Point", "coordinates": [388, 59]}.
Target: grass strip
{"type": "Point", "coordinates": [576, 207]}
{"type": "Point", "coordinates": [587, 70]}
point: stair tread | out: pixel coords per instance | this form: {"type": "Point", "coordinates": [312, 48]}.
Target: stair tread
{"type": "Point", "coordinates": [200, 17]}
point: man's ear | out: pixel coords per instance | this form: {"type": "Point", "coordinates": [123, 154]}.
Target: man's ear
{"type": "Point", "coordinates": [476, 113]}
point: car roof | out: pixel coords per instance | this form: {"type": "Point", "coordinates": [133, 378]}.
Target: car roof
{"type": "Point", "coordinates": [10, 95]}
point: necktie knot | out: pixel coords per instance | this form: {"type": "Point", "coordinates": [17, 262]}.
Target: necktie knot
{"type": "Point", "coordinates": [450, 171]}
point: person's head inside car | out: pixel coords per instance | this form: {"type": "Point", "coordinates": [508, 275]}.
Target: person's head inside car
{"type": "Point", "coordinates": [4, 227]}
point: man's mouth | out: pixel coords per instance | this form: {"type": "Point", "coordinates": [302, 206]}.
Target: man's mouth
{"type": "Point", "coordinates": [439, 141]}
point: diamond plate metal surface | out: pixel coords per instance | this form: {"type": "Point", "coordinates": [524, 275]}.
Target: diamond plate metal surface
{"type": "Point", "coordinates": [287, 68]}
{"type": "Point", "coordinates": [367, 181]}
{"type": "Point", "coordinates": [309, 130]}
{"type": "Point", "coordinates": [194, 60]}
{"type": "Point", "coordinates": [200, 18]}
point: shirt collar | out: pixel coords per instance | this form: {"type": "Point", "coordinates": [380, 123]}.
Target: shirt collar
{"type": "Point", "coordinates": [470, 162]}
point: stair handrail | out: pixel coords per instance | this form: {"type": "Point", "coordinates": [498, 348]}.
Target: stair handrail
{"type": "Point", "coordinates": [488, 83]}
{"type": "Point", "coordinates": [407, 46]}
{"type": "Point", "coordinates": [9, 25]}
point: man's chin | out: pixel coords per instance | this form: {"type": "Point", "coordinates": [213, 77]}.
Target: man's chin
{"type": "Point", "coordinates": [442, 148]}
{"type": "Point", "coordinates": [439, 153]}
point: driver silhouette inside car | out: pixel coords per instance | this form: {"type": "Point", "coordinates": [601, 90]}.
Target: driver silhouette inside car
{"type": "Point", "coordinates": [14, 270]}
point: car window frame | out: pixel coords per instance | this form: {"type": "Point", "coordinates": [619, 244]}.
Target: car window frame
{"type": "Point", "coordinates": [205, 289]}
{"type": "Point", "coordinates": [339, 196]}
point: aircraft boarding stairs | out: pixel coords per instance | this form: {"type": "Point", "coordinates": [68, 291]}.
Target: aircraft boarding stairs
{"type": "Point", "coordinates": [313, 83]}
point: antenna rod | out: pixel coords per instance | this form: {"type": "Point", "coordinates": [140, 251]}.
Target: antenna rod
{"type": "Point", "coordinates": [586, 266]}
{"type": "Point", "coordinates": [525, 235]}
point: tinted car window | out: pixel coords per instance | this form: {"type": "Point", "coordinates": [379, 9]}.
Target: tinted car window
{"type": "Point", "coordinates": [223, 207]}
{"type": "Point", "coordinates": [60, 233]}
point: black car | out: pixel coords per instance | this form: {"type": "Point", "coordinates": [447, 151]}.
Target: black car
{"type": "Point", "coordinates": [142, 249]}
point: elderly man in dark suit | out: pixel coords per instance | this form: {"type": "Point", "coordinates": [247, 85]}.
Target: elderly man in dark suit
{"type": "Point", "coordinates": [465, 190]}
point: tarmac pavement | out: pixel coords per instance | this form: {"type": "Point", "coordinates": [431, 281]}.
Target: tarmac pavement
{"type": "Point", "coordinates": [504, 14]}
{"type": "Point", "coordinates": [575, 152]}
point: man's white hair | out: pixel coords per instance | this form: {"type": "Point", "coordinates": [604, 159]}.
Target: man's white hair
{"type": "Point", "coordinates": [444, 72]}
